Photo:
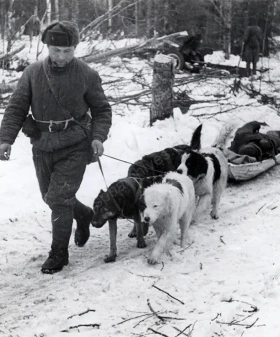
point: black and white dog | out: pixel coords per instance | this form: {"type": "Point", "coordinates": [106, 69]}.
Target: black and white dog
{"type": "Point", "coordinates": [208, 169]}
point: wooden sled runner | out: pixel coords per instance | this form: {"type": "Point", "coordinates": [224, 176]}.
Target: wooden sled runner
{"type": "Point", "coordinates": [249, 171]}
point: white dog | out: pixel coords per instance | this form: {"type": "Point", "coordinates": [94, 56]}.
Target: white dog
{"type": "Point", "coordinates": [208, 169]}
{"type": "Point", "coordinates": [164, 206]}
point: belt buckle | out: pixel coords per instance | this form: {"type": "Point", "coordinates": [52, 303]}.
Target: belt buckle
{"type": "Point", "coordinates": [50, 126]}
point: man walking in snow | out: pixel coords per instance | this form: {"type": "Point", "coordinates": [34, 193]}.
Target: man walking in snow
{"type": "Point", "coordinates": [60, 91]}
{"type": "Point", "coordinates": [251, 47]}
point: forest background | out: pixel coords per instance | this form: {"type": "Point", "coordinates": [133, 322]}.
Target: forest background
{"type": "Point", "coordinates": [220, 22]}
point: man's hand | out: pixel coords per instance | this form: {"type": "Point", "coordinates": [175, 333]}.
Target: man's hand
{"type": "Point", "coordinates": [98, 150]}
{"type": "Point", "coordinates": [5, 151]}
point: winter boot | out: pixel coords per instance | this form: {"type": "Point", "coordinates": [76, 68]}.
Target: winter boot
{"type": "Point", "coordinates": [83, 216]}
{"type": "Point", "coordinates": [58, 258]}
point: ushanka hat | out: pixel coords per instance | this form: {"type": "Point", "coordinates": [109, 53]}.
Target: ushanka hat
{"type": "Point", "coordinates": [61, 34]}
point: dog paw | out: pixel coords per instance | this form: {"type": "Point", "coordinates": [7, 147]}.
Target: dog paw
{"type": "Point", "coordinates": [214, 215]}
{"type": "Point", "coordinates": [132, 234]}
{"type": "Point", "coordinates": [110, 258]}
{"type": "Point", "coordinates": [141, 243]}
{"type": "Point", "coordinates": [152, 261]}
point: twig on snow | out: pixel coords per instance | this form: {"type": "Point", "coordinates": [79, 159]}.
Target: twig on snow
{"type": "Point", "coordinates": [250, 326]}
{"type": "Point", "coordinates": [142, 320]}
{"type": "Point", "coordinates": [221, 239]}
{"type": "Point", "coordinates": [182, 250]}
{"type": "Point", "coordinates": [147, 276]}
{"type": "Point", "coordinates": [129, 319]}
{"type": "Point", "coordinates": [176, 318]}
{"type": "Point", "coordinates": [254, 308]}
{"type": "Point", "coordinates": [168, 294]}
{"type": "Point", "coordinates": [190, 333]}
{"type": "Point", "coordinates": [218, 314]}
{"type": "Point", "coordinates": [153, 311]}
{"type": "Point", "coordinates": [158, 333]}
{"type": "Point", "coordinates": [260, 208]}
{"type": "Point", "coordinates": [94, 325]}
{"type": "Point", "coordinates": [39, 223]}
{"type": "Point", "coordinates": [182, 332]}
{"type": "Point", "coordinates": [247, 326]}
{"type": "Point", "coordinates": [82, 313]}
{"type": "Point", "coordinates": [235, 322]}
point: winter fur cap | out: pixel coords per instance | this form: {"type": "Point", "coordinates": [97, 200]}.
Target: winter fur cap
{"type": "Point", "coordinates": [61, 34]}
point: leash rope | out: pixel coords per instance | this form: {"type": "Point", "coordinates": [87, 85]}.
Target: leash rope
{"type": "Point", "coordinates": [119, 209]}
{"type": "Point", "coordinates": [127, 162]}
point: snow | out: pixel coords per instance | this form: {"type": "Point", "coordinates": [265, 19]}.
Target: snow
{"type": "Point", "coordinates": [226, 283]}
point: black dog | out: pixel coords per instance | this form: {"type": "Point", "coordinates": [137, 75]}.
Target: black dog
{"type": "Point", "coordinates": [158, 163]}
{"type": "Point", "coordinates": [121, 201]}
{"type": "Point", "coordinates": [161, 162]}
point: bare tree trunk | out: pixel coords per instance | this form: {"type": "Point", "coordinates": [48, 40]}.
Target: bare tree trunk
{"type": "Point", "coordinates": [36, 8]}
{"type": "Point", "coordinates": [56, 10]}
{"type": "Point", "coordinates": [163, 79]}
{"type": "Point", "coordinates": [75, 10]}
{"type": "Point", "coordinates": [47, 14]}
{"type": "Point", "coordinates": [8, 26]}
{"type": "Point", "coordinates": [221, 24]}
{"type": "Point", "coordinates": [136, 19]}
{"type": "Point", "coordinates": [2, 21]}
{"type": "Point", "coordinates": [227, 14]}
{"type": "Point", "coordinates": [149, 31]}
{"type": "Point", "coordinates": [166, 17]}
{"type": "Point", "coordinates": [110, 19]}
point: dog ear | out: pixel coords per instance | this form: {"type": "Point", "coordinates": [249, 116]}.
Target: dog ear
{"type": "Point", "coordinates": [196, 138]}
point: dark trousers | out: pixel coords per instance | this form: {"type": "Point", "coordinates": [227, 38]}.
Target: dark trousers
{"type": "Point", "coordinates": [60, 174]}
{"type": "Point", "coordinates": [248, 68]}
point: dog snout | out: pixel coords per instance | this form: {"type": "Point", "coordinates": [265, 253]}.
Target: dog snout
{"type": "Point", "coordinates": [147, 218]}
{"type": "Point", "coordinates": [180, 171]}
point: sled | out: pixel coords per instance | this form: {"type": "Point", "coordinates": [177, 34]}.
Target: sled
{"type": "Point", "coordinates": [249, 171]}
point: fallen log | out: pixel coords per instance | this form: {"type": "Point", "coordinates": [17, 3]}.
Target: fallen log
{"type": "Point", "coordinates": [234, 70]}
{"type": "Point", "coordinates": [11, 54]}
{"type": "Point", "coordinates": [130, 49]}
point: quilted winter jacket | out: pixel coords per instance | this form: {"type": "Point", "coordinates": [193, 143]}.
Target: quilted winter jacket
{"type": "Point", "coordinates": [252, 39]}
{"type": "Point", "coordinates": [78, 89]}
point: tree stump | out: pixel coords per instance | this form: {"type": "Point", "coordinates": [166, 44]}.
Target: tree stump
{"type": "Point", "coordinates": [162, 95]}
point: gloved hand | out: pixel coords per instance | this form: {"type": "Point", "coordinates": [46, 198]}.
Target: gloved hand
{"type": "Point", "coordinates": [5, 151]}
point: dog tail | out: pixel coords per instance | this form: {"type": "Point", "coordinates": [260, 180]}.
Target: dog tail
{"type": "Point", "coordinates": [224, 135]}
{"type": "Point", "coordinates": [196, 139]}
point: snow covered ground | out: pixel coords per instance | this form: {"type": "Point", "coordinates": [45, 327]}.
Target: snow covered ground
{"type": "Point", "coordinates": [226, 283]}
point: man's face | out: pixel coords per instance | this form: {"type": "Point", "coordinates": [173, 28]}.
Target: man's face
{"type": "Point", "coordinates": [61, 56]}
